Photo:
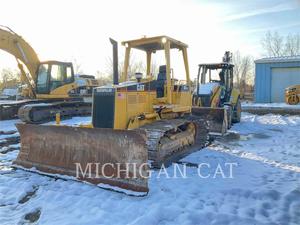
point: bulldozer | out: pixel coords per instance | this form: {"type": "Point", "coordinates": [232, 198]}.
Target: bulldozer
{"type": "Point", "coordinates": [51, 86]}
{"type": "Point", "coordinates": [215, 99]}
{"type": "Point", "coordinates": [133, 121]}
{"type": "Point", "coordinates": [292, 95]}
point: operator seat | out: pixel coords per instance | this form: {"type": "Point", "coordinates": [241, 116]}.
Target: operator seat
{"type": "Point", "coordinates": [222, 77]}
{"type": "Point", "coordinates": [160, 82]}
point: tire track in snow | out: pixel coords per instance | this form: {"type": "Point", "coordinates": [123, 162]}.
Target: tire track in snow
{"type": "Point", "coordinates": [221, 147]}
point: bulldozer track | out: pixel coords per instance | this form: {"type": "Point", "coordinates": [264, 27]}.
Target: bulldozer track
{"type": "Point", "coordinates": [164, 149]}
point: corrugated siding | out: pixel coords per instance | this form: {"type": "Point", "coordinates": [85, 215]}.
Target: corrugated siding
{"type": "Point", "coordinates": [263, 75]}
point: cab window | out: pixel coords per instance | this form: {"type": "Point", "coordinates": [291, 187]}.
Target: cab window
{"type": "Point", "coordinates": [56, 78]}
{"type": "Point", "coordinates": [42, 79]}
{"type": "Point", "coordinates": [69, 74]}
{"type": "Point", "coordinates": [60, 75]}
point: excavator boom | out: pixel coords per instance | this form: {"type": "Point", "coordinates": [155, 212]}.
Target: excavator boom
{"type": "Point", "coordinates": [14, 44]}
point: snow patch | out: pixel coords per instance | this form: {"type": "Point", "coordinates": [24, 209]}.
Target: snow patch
{"type": "Point", "coordinates": [270, 105]}
{"type": "Point", "coordinates": [259, 192]}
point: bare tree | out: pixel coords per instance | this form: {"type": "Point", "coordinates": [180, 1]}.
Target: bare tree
{"type": "Point", "coordinates": [103, 78]}
{"type": "Point", "coordinates": [276, 45]}
{"type": "Point", "coordinates": [243, 71]}
{"type": "Point", "coordinates": [77, 67]}
{"type": "Point", "coordinates": [135, 65]}
{"type": "Point", "coordinates": [236, 59]}
{"type": "Point", "coordinates": [292, 45]}
{"type": "Point", "coordinates": [273, 44]}
{"type": "Point", "coordinates": [154, 68]}
{"type": "Point", "coordinates": [109, 67]}
{"type": "Point", "coordinates": [9, 78]}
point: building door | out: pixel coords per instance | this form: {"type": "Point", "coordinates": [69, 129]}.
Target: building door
{"type": "Point", "coordinates": [281, 79]}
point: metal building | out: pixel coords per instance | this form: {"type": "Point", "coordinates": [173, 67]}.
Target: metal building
{"type": "Point", "coordinates": [273, 75]}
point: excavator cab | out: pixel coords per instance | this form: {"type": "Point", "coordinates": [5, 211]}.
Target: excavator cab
{"type": "Point", "coordinates": [52, 75]}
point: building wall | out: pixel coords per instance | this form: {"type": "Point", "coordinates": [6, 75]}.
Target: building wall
{"type": "Point", "coordinates": [263, 75]}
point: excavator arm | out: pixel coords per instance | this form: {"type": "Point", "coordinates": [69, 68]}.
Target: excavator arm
{"type": "Point", "coordinates": [14, 44]}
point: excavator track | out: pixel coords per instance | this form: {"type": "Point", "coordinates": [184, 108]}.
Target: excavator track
{"type": "Point", "coordinates": [44, 112]}
{"type": "Point", "coordinates": [10, 110]}
{"type": "Point", "coordinates": [169, 140]}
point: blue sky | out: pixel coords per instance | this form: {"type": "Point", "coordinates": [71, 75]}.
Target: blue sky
{"type": "Point", "coordinates": [252, 18]}
{"type": "Point", "coordinates": [64, 30]}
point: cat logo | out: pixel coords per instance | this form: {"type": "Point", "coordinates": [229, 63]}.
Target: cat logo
{"type": "Point", "coordinates": [140, 87]}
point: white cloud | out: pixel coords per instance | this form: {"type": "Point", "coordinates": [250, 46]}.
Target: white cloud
{"type": "Point", "coordinates": [277, 8]}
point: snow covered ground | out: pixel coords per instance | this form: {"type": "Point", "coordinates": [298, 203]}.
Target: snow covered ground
{"type": "Point", "coordinates": [270, 105]}
{"type": "Point", "coordinates": [264, 188]}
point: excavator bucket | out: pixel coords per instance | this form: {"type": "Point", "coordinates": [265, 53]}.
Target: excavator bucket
{"type": "Point", "coordinates": [216, 118]}
{"type": "Point", "coordinates": [112, 159]}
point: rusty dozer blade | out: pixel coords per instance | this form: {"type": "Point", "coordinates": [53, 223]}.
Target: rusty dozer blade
{"type": "Point", "coordinates": [113, 159]}
{"type": "Point", "coordinates": [216, 118]}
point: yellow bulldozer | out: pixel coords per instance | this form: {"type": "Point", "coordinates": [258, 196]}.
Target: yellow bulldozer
{"type": "Point", "coordinates": [133, 121]}
{"type": "Point", "coordinates": [215, 98]}
{"type": "Point", "coordinates": [51, 86]}
{"type": "Point", "coordinates": [292, 95]}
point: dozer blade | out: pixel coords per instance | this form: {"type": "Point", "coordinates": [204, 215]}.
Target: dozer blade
{"type": "Point", "coordinates": [216, 118]}
{"type": "Point", "coordinates": [113, 159]}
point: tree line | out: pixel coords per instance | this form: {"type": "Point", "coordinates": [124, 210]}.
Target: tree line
{"type": "Point", "coordinates": [9, 78]}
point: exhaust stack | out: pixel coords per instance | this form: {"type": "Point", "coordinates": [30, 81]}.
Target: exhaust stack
{"type": "Point", "coordinates": [115, 61]}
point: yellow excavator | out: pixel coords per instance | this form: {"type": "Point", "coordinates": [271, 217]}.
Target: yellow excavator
{"type": "Point", "coordinates": [215, 98]}
{"type": "Point", "coordinates": [51, 86]}
{"type": "Point", "coordinates": [292, 95]}
{"type": "Point", "coordinates": [133, 121]}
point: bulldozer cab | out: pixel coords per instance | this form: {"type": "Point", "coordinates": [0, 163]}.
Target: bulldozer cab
{"type": "Point", "coordinates": [133, 103]}
{"type": "Point", "coordinates": [166, 83]}
{"type": "Point", "coordinates": [52, 75]}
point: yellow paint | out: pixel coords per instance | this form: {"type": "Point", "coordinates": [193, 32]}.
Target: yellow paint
{"type": "Point", "coordinates": [136, 108]}
{"type": "Point", "coordinates": [216, 97]}
{"type": "Point", "coordinates": [292, 95]}
{"type": "Point", "coordinates": [86, 125]}
{"type": "Point", "coordinates": [25, 55]}
{"type": "Point", "coordinates": [235, 94]}
{"type": "Point", "coordinates": [57, 118]}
